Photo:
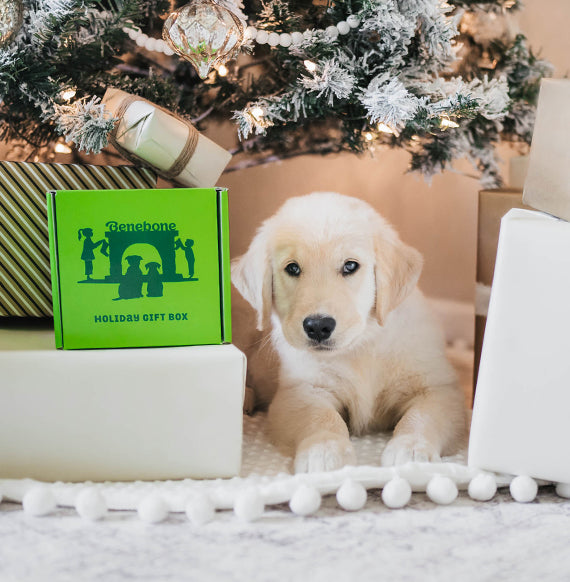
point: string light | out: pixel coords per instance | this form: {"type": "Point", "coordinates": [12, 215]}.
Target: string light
{"type": "Point", "coordinates": [446, 123]}
{"type": "Point", "coordinates": [222, 70]}
{"type": "Point", "coordinates": [61, 148]}
{"type": "Point", "coordinates": [257, 113]}
{"type": "Point", "coordinates": [68, 94]}
{"type": "Point", "coordinates": [456, 46]}
{"type": "Point", "coordinates": [368, 136]}
{"type": "Point", "coordinates": [385, 128]}
{"type": "Point", "coordinates": [310, 66]}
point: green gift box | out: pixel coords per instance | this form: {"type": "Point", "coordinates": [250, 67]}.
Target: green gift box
{"type": "Point", "coordinates": [140, 268]}
{"type": "Point", "coordinates": [25, 282]}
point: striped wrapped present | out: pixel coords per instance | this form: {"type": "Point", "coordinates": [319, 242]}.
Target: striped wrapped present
{"type": "Point", "coordinates": [25, 282]}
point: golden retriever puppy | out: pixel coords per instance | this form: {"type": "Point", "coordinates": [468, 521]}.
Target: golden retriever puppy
{"type": "Point", "coordinates": [357, 348]}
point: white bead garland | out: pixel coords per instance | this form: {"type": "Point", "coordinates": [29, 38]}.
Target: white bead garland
{"type": "Point", "coordinates": [262, 37]}
{"type": "Point", "coordinates": [149, 43]}
{"type": "Point", "coordinates": [285, 39]}
{"type": "Point", "coordinates": [332, 32]}
{"type": "Point", "coordinates": [297, 38]}
{"type": "Point", "coordinates": [353, 21]}
{"type": "Point", "coordinates": [343, 27]}
{"type": "Point", "coordinates": [273, 39]}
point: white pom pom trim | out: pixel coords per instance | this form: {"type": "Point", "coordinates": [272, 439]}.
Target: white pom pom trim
{"type": "Point", "coordinates": [152, 509]}
{"type": "Point", "coordinates": [90, 504]}
{"type": "Point", "coordinates": [563, 490]}
{"type": "Point", "coordinates": [247, 498]}
{"type": "Point", "coordinates": [523, 489]}
{"type": "Point", "coordinates": [305, 501]}
{"type": "Point", "coordinates": [200, 509]}
{"type": "Point", "coordinates": [351, 495]}
{"type": "Point", "coordinates": [249, 505]}
{"type": "Point", "coordinates": [396, 493]}
{"type": "Point", "coordinates": [39, 501]}
{"type": "Point", "coordinates": [441, 490]}
{"type": "Point", "coordinates": [482, 487]}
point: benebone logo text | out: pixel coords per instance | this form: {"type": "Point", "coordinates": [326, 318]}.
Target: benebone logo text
{"type": "Point", "coordinates": [145, 226]}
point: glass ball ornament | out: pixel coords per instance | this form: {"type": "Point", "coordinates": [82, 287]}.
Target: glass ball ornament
{"type": "Point", "coordinates": [207, 33]}
{"type": "Point", "coordinates": [11, 18]}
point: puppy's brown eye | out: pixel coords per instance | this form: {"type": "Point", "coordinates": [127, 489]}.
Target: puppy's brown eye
{"type": "Point", "coordinates": [350, 267]}
{"type": "Point", "coordinates": [293, 269]}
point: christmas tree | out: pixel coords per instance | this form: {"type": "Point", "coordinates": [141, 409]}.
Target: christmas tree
{"type": "Point", "coordinates": [441, 80]}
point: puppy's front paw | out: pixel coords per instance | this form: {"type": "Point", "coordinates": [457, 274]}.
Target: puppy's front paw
{"type": "Point", "coordinates": [404, 448]}
{"type": "Point", "coordinates": [324, 452]}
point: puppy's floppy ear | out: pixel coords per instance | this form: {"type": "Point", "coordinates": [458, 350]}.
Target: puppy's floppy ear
{"type": "Point", "coordinates": [253, 278]}
{"type": "Point", "coordinates": [398, 268]}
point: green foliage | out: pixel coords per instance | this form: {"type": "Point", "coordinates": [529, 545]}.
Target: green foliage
{"type": "Point", "coordinates": [397, 68]}
{"type": "Point", "coordinates": [63, 44]}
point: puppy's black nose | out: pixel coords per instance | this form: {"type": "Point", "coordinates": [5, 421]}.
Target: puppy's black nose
{"type": "Point", "coordinates": [319, 327]}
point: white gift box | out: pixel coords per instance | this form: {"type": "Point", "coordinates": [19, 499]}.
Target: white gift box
{"type": "Point", "coordinates": [158, 138]}
{"type": "Point", "coordinates": [520, 417]}
{"type": "Point", "coordinates": [124, 414]}
{"type": "Point", "coordinates": [547, 185]}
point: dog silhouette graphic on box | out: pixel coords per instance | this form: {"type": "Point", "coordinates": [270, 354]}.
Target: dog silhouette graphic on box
{"type": "Point", "coordinates": [131, 285]}
{"type": "Point", "coordinates": [154, 286]}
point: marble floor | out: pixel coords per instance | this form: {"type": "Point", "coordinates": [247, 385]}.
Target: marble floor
{"type": "Point", "coordinates": [499, 540]}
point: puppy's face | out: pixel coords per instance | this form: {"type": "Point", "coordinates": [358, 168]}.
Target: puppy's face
{"type": "Point", "coordinates": [327, 265]}
{"type": "Point", "coordinates": [323, 288]}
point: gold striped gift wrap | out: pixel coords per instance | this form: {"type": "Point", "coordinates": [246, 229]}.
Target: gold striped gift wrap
{"type": "Point", "coordinates": [25, 282]}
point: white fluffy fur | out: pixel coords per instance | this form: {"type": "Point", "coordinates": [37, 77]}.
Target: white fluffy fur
{"type": "Point", "coordinates": [384, 366]}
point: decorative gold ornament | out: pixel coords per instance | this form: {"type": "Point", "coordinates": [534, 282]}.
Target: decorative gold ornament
{"type": "Point", "coordinates": [11, 18]}
{"type": "Point", "coordinates": [205, 32]}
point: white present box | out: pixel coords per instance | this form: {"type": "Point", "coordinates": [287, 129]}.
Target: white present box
{"type": "Point", "coordinates": [520, 416]}
{"type": "Point", "coordinates": [161, 139]}
{"type": "Point", "coordinates": [547, 185]}
{"type": "Point", "coordinates": [124, 414]}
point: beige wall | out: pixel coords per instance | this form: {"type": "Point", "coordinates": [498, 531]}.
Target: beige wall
{"type": "Point", "coordinates": [440, 220]}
